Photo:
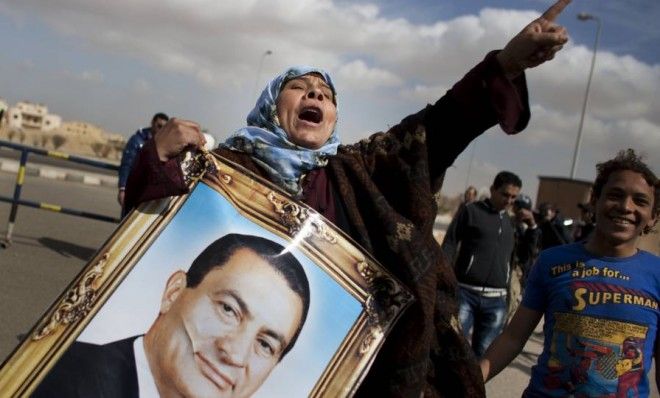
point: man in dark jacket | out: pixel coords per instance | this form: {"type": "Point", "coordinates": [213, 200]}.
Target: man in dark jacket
{"type": "Point", "coordinates": [527, 235]}
{"type": "Point", "coordinates": [131, 150]}
{"type": "Point", "coordinates": [479, 242]}
{"type": "Point", "coordinates": [553, 229]}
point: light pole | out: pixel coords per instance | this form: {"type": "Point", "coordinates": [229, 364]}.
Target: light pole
{"type": "Point", "coordinates": [583, 16]}
{"type": "Point", "coordinates": [469, 170]}
{"type": "Point", "coordinates": [261, 64]}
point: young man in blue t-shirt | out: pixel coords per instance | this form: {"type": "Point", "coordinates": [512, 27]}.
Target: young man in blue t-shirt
{"type": "Point", "coordinates": [599, 298]}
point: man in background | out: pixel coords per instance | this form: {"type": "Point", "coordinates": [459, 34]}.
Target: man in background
{"type": "Point", "coordinates": [553, 230]}
{"type": "Point", "coordinates": [586, 224]}
{"type": "Point", "coordinates": [479, 243]}
{"type": "Point", "coordinates": [526, 248]}
{"type": "Point", "coordinates": [527, 235]}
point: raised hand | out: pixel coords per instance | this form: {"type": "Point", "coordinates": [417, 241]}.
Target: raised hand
{"type": "Point", "coordinates": [536, 43]}
{"type": "Point", "coordinates": [176, 136]}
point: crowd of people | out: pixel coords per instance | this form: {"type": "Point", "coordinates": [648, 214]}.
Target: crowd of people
{"type": "Point", "coordinates": [597, 292]}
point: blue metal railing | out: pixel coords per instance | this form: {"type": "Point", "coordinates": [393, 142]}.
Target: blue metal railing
{"type": "Point", "coordinates": [20, 177]}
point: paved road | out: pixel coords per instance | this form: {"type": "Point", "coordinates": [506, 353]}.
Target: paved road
{"type": "Point", "coordinates": [50, 249]}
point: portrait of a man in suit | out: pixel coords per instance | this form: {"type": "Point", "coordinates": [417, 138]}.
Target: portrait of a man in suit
{"type": "Point", "coordinates": [221, 329]}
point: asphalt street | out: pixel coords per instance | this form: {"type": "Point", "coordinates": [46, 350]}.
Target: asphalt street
{"type": "Point", "coordinates": [49, 249]}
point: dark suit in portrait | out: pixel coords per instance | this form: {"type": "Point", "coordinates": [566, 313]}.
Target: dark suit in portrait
{"type": "Point", "coordinates": [90, 370]}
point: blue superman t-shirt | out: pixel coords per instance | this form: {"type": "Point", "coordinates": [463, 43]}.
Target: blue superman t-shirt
{"type": "Point", "coordinates": [601, 322]}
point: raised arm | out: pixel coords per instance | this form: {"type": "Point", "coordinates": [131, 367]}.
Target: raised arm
{"type": "Point", "coordinates": [494, 92]}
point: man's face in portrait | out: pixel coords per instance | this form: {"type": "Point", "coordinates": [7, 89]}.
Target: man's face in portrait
{"type": "Point", "coordinates": [223, 337]}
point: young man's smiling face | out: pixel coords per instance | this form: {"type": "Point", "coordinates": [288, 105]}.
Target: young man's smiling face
{"type": "Point", "coordinates": [623, 209]}
{"type": "Point", "coordinates": [306, 111]}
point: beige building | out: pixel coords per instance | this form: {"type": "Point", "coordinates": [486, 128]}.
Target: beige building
{"type": "Point", "coordinates": [82, 131]}
{"type": "Point", "coordinates": [32, 116]}
{"type": "Point", "coordinates": [3, 112]}
{"type": "Point", "coordinates": [31, 124]}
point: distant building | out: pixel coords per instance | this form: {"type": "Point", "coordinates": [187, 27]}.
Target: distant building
{"type": "Point", "coordinates": [87, 131]}
{"type": "Point", "coordinates": [30, 124]}
{"type": "Point", "coordinates": [32, 116]}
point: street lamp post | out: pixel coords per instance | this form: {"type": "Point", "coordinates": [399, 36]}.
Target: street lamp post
{"type": "Point", "coordinates": [469, 170]}
{"type": "Point", "coordinates": [583, 16]}
{"type": "Point", "coordinates": [261, 64]}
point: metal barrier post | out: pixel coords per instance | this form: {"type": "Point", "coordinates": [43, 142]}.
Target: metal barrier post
{"type": "Point", "coordinates": [20, 177]}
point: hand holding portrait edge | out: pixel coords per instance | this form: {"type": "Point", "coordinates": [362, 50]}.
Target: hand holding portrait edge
{"type": "Point", "coordinates": [177, 135]}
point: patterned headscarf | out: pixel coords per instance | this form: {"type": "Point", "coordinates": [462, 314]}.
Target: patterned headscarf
{"type": "Point", "coordinates": [269, 145]}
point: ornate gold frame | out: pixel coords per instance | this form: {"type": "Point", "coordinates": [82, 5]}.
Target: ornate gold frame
{"type": "Point", "coordinates": [382, 297]}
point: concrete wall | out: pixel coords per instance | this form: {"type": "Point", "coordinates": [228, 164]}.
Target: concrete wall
{"type": "Point", "coordinates": [565, 193]}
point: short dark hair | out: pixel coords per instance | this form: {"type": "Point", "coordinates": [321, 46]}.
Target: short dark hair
{"type": "Point", "coordinates": [506, 178]}
{"type": "Point", "coordinates": [627, 160]}
{"type": "Point", "coordinates": [218, 253]}
{"type": "Point", "coordinates": [160, 115]}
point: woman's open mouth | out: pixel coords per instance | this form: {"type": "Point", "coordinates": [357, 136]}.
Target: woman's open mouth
{"type": "Point", "coordinates": [311, 114]}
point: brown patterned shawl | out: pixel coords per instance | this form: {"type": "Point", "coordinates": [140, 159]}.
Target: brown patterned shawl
{"type": "Point", "coordinates": [387, 184]}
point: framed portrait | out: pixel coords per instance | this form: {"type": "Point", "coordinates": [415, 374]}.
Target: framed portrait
{"type": "Point", "coordinates": [234, 289]}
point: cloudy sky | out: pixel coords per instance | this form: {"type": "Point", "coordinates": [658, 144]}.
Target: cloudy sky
{"type": "Point", "coordinates": [115, 63]}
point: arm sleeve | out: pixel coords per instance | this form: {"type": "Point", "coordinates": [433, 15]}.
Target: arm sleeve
{"type": "Point", "coordinates": [428, 142]}
{"type": "Point", "coordinates": [406, 164]}
{"type": "Point", "coordinates": [152, 179]}
{"type": "Point", "coordinates": [482, 98]}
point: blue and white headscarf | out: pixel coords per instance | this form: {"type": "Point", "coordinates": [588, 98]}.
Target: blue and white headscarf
{"type": "Point", "coordinates": [268, 143]}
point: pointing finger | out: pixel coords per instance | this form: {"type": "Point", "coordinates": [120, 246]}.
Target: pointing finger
{"type": "Point", "coordinates": [551, 13]}
{"type": "Point", "coordinates": [551, 39]}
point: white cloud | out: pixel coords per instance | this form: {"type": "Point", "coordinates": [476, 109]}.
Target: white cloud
{"type": "Point", "coordinates": [92, 76]}
{"type": "Point", "coordinates": [218, 45]}
{"type": "Point", "coordinates": [142, 87]}
{"type": "Point", "coordinates": [26, 64]}
{"type": "Point", "coordinates": [423, 94]}
{"type": "Point", "coordinates": [359, 76]}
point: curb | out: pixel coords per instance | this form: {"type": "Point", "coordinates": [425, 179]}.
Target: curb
{"type": "Point", "coordinates": [56, 173]}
